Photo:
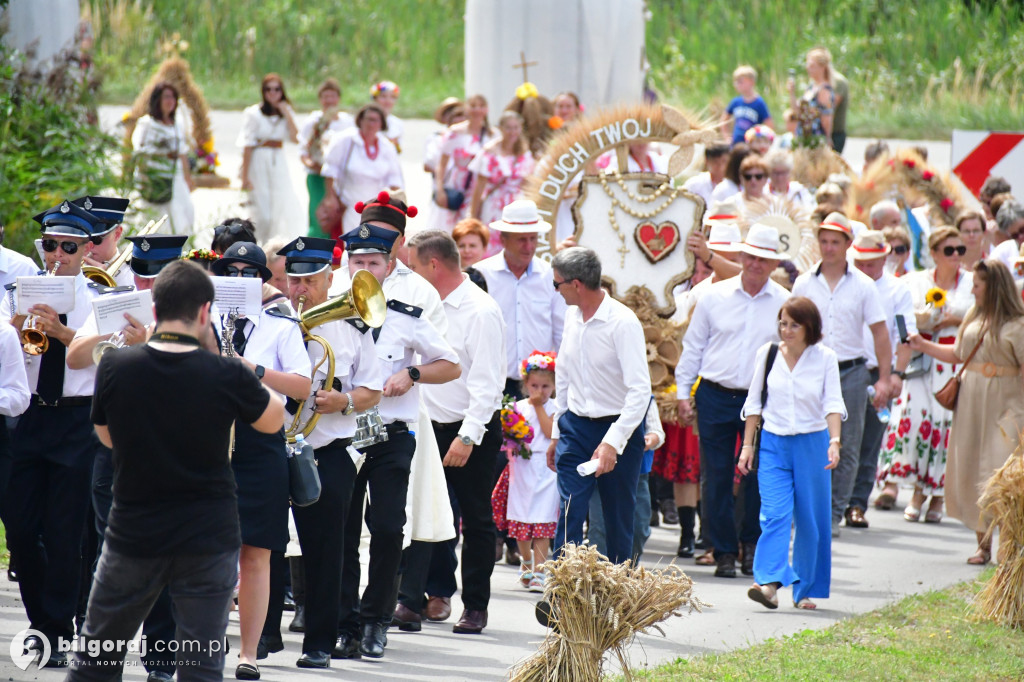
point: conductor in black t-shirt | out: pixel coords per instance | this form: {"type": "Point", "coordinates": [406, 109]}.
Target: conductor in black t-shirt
{"type": "Point", "coordinates": [166, 409]}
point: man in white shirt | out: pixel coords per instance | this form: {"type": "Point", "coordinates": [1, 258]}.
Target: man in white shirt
{"type": "Point", "coordinates": [467, 425]}
{"type": "Point", "coordinates": [602, 390]}
{"type": "Point", "coordinates": [848, 301]}
{"type": "Point", "coordinates": [733, 318]}
{"type": "Point", "coordinates": [716, 158]}
{"type": "Point", "coordinates": [1010, 221]}
{"type": "Point", "coordinates": [869, 252]}
{"type": "Point", "coordinates": [520, 282]}
{"type": "Point", "coordinates": [14, 265]}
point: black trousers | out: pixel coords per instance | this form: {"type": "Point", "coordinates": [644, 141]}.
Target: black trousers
{"type": "Point", "coordinates": [386, 473]}
{"type": "Point", "coordinates": [471, 487]}
{"type": "Point", "coordinates": [321, 527]}
{"type": "Point", "coordinates": [159, 627]}
{"type": "Point", "coordinates": [47, 506]}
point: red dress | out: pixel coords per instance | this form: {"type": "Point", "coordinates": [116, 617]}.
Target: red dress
{"type": "Point", "coordinates": [678, 460]}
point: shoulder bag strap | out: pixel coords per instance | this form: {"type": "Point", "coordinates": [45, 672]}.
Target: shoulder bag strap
{"type": "Point", "coordinates": [971, 356]}
{"type": "Point", "coordinates": [772, 352]}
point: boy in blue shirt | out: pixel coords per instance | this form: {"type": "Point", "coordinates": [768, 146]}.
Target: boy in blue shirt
{"type": "Point", "coordinates": [748, 109]}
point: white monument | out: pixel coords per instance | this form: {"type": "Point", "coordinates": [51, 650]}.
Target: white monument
{"type": "Point", "coordinates": [594, 48]}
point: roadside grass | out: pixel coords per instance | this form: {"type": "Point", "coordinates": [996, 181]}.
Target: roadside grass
{"type": "Point", "coordinates": [931, 636]}
{"type": "Point", "coordinates": [916, 69]}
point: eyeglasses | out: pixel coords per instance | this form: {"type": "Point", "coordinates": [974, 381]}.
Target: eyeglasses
{"type": "Point", "coordinates": [272, 88]}
{"type": "Point", "coordinates": [247, 271]}
{"type": "Point", "coordinates": [900, 249]}
{"type": "Point", "coordinates": [789, 325]}
{"type": "Point", "coordinates": [754, 176]}
{"type": "Point", "coordinates": [558, 284]}
{"type": "Point", "coordinates": [70, 248]}
{"type": "Point", "coordinates": [950, 250]}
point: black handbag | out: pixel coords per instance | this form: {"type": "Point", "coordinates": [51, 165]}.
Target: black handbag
{"type": "Point", "coordinates": [772, 352]}
{"type": "Point", "coordinates": [303, 477]}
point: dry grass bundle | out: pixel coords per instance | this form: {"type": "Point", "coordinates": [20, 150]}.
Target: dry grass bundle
{"type": "Point", "coordinates": [597, 606]}
{"type": "Point", "coordinates": [813, 166]}
{"type": "Point", "coordinates": [908, 176]}
{"type": "Point", "coordinates": [664, 345]}
{"type": "Point", "coordinates": [174, 70]}
{"type": "Point", "coordinates": [1002, 599]}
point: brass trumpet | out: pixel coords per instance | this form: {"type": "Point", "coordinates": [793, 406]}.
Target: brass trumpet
{"type": "Point", "coordinates": [108, 277]}
{"type": "Point", "coordinates": [34, 340]}
{"type": "Point", "coordinates": [115, 342]}
{"type": "Point", "coordinates": [365, 300]}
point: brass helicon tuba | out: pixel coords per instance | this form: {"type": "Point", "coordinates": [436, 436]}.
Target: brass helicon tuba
{"type": "Point", "coordinates": [365, 299]}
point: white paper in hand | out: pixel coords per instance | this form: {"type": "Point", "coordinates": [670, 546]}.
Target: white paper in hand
{"type": "Point", "coordinates": [110, 310]}
{"type": "Point", "coordinates": [588, 468]}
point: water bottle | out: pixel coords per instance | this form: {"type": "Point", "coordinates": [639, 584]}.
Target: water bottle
{"type": "Point", "coordinates": [883, 412]}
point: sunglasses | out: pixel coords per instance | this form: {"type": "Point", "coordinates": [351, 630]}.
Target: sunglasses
{"type": "Point", "coordinates": [558, 284]}
{"type": "Point", "coordinates": [231, 228]}
{"type": "Point", "coordinates": [272, 88]}
{"type": "Point", "coordinates": [70, 248]}
{"type": "Point", "coordinates": [958, 250]}
{"type": "Point", "coordinates": [247, 271]}
{"type": "Point", "coordinates": [754, 176]}
{"type": "Point", "coordinates": [900, 249]}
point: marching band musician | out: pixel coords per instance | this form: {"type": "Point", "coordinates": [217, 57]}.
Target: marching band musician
{"type": "Point", "coordinates": [271, 346]}
{"type": "Point", "coordinates": [110, 213]}
{"type": "Point", "coordinates": [410, 351]}
{"type": "Point", "coordinates": [150, 255]}
{"type": "Point", "coordinates": [53, 445]}
{"type": "Point", "coordinates": [356, 387]}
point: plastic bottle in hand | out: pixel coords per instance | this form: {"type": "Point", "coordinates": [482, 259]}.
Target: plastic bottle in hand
{"type": "Point", "coordinates": [882, 413]}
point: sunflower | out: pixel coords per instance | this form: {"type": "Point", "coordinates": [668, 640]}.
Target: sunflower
{"type": "Point", "coordinates": [935, 297]}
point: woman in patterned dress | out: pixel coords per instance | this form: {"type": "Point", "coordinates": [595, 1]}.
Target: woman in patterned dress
{"type": "Point", "coordinates": [460, 144]}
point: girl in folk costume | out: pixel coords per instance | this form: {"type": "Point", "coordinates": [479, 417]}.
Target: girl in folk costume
{"type": "Point", "coordinates": [532, 509]}
{"type": "Point", "coordinates": [453, 181]}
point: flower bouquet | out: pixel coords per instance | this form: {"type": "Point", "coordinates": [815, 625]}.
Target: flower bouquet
{"type": "Point", "coordinates": [516, 432]}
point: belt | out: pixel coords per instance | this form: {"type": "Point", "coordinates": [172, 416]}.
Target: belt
{"type": "Point", "coordinates": [276, 144]}
{"type": "Point", "coordinates": [395, 428]}
{"type": "Point", "coordinates": [849, 364]}
{"type": "Point", "coordinates": [71, 401]}
{"type": "Point", "coordinates": [737, 392]}
{"type": "Point", "coordinates": [990, 370]}
{"type": "Point", "coordinates": [446, 425]}
{"type": "Point", "coordinates": [600, 420]}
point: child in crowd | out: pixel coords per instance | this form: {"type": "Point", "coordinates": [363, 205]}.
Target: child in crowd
{"type": "Point", "coordinates": [532, 491]}
{"type": "Point", "coordinates": [760, 138]}
{"type": "Point", "coordinates": [385, 93]}
{"type": "Point", "coordinates": [748, 109]}
{"type": "Point", "coordinates": [785, 141]}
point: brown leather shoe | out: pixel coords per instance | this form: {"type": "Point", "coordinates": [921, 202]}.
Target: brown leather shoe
{"type": "Point", "coordinates": [471, 622]}
{"type": "Point", "coordinates": [406, 620]}
{"type": "Point", "coordinates": [438, 609]}
{"type": "Point", "coordinates": [855, 518]}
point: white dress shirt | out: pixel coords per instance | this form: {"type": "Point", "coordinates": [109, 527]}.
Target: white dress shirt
{"type": "Point", "coordinates": [726, 325]}
{"type": "Point", "coordinates": [77, 382]}
{"type": "Point", "coordinates": [14, 265]}
{"type": "Point", "coordinates": [354, 366]}
{"type": "Point", "coordinates": [1007, 253]}
{"type": "Point", "coordinates": [403, 284]}
{"type": "Point", "coordinates": [896, 300]}
{"type": "Point", "coordinates": [602, 370]}
{"type": "Point", "coordinates": [798, 399]}
{"type": "Point", "coordinates": [701, 185]}
{"type": "Point", "coordinates": [406, 335]}
{"type": "Point", "coordinates": [534, 312]}
{"type": "Point", "coordinates": [14, 393]}
{"type": "Point", "coordinates": [476, 331]}
{"type": "Point", "coordinates": [275, 343]}
{"type": "Point", "coordinates": [844, 310]}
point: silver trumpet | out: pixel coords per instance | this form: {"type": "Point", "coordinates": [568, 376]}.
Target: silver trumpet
{"type": "Point", "coordinates": [369, 429]}
{"type": "Point", "coordinates": [115, 342]}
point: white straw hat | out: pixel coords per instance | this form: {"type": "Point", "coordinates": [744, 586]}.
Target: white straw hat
{"type": "Point", "coordinates": [521, 216]}
{"type": "Point", "coordinates": [763, 241]}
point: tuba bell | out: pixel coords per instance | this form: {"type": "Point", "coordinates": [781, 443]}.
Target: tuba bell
{"type": "Point", "coordinates": [108, 276]}
{"type": "Point", "coordinates": [365, 299]}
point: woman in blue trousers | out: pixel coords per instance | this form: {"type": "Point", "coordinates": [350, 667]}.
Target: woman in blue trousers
{"type": "Point", "coordinates": [802, 408]}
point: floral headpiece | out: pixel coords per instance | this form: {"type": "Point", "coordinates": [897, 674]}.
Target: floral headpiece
{"type": "Point", "coordinates": [201, 254]}
{"type": "Point", "coordinates": [527, 91]}
{"type": "Point", "coordinates": [538, 360]}
{"type": "Point", "coordinates": [383, 86]}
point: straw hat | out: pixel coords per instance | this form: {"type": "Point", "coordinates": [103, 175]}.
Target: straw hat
{"type": "Point", "coordinates": [837, 222]}
{"type": "Point", "coordinates": [762, 241]}
{"type": "Point", "coordinates": [447, 104]}
{"type": "Point", "coordinates": [521, 217]}
{"type": "Point", "coordinates": [724, 237]}
{"type": "Point", "coordinates": [870, 245]}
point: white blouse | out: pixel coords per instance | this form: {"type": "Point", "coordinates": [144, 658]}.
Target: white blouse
{"type": "Point", "coordinates": [798, 399]}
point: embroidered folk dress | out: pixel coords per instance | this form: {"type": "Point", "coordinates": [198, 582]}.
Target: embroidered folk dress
{"type": "Point", "coordinates": [915, 444]}
{"type": "Point", "coordinates": [504, 174]}
{"type": "Point", "coordinates": [275, 207]}
{"type": "Point", "coordinates": [155, 137]}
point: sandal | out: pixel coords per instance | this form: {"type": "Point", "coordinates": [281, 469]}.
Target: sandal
{"type": "Point", "coordinates": [805, 604]}
{"type": "Point", "coordinates": [706, 559]}
{"type": "Point", "coordinates": [885, 500]}
{"type": "Point", "coordinates": [760, 594]}
{"type": "Point", "coordinates": [981, 557]}
{"type": "Point", "coordinates": [912, 513]}
{"type": "Point", "coordinates": [934, 514]}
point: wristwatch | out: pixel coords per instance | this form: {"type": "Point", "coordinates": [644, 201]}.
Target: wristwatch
{"type": "Point", "coordinates": [901, 375]}
{"type": "Point", "coordinates": [350, 407]}
{"type": "Point", "coordinates": [260, 371]}
{"type": "Point", "coordinates": [414, 374]}
{"type": "Point", "coordinates": [466, 440]}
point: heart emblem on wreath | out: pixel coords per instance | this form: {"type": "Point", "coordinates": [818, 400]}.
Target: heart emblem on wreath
{"type": "Point", "coordinates": [657, 241]}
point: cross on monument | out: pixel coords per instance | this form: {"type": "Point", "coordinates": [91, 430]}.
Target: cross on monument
{"type": "Point", "coordinates": [523, 64]}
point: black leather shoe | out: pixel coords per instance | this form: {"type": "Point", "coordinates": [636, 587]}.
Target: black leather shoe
{"type": "Point", "coordinates": [58, 659]}
{"type": "Point", "coordinates": [669, 515]}
{"type": "Point", "coordinates": [267, 646]}
{"type": "Point", "coordinates": [289, 601]}
{"type": "Point", "coordinates": [685, 550]}
{"type": "Point", "coordinates": [247, 671]}
{"type": "Point", "coordinates": [347, 646]}
{"type": "Point", "coordinates": [33, 643]}
{"type": "Point", "coordinates": [655, 518]}
{"type": "Point", "coordinates": [726, 566]}
{"type": "Point", "coordinates": [748, 558]}
{"type": "Point", "coordinates": [471, 623]}
{"type": "Point", "coordinates": [298, 623]}
{"type": "Point", "coordinates": [374, 640]}
{"type": "Point", "coordinates": [407, 620]}
{"type": "Point", "coordinates": [160, 676]}
{"type": "Point", "coordinates": [314, 659]}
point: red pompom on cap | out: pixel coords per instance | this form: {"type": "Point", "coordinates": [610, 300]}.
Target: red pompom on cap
{"type": "Point", "coordinates": [359, 207]}
{"type": "Point", "coordinates": [384, 198]}
{"type": "Point", "coordinates": [412, 212]}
